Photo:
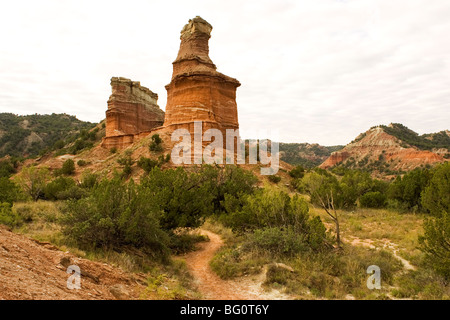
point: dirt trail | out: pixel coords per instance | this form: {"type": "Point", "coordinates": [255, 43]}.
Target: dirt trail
{"type": "Point", "coordinates": [386, 244]}
{"type": "Point", "coordinates": [213, 288]}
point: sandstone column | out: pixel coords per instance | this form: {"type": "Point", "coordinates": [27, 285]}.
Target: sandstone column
{"type": "Point", "coordinates": [197, 92]}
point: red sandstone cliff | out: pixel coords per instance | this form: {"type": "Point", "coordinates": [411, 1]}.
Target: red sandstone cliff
{"type": "Point", "coordinates": [132, 110]}
{"type": "Point", "coordinates": [381, 150]}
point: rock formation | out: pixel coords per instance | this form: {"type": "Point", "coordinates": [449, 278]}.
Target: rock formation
{"type": "Point", "coordinates": [377, 147]}
{"type": "Point", "coordinates": [335, 158]}
{"type": "Point", "coordinates": [132, 112]}
{"type": "Point", "coordinates": [197, 92]}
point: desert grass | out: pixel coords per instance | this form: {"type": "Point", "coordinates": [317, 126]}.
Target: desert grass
{"type": "Point", "coordinates": [380, 237]}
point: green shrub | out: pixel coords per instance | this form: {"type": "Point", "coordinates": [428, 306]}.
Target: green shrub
{"type": "Point", "coordinates": [408, 189]}
{"type": "Point", "coordinates": [89, 179]}
{"type": "Point", "coordinates": [274, 179]}
{"type": "Point", "coordinates": [59, 144]}
{"type": "Point", "coordinates": [436, 240]}
{"type": "Point", "coordinates": [373, 200]}
{"type": "Point", "coordinates": [54, 189]}
{"type": "Point", "coordinates": [436, 196]}
{"type": "Point", "coordinates": [163, 159]}
{"type": "Point", "coordinates": [147, 164]}
{"type": "Point", "coordinates": [269, 208]}
{"type": "Point", "coordinates": [277, 241]}
{"type": "Point", "coordinates": [184, 198]}
{"type": "Point", "coordinates": [156, 139]}
{"type": "Point", "coordinates": [33, 181]}
{"type": "Point", "coordinates": [155, 145]}
{"type": "Point", "coordinates": [125, 160]}
{"type": "Point", "coordinates": [40, 212]}
{"type": "Point", "coordinates": [184, 242]}
{"type": "Point", "coordinates": [297, 173]}
{"type": "Point", "coordinates": [73, 192]}
{"type": "Point", "coordinates": [229, 186]}
{"type": "Point", "coordinates": [81, 163]}
{"type": "Point", "coordinates": [116, 214]}
{"type": "Point", "coordinates": [8, 216]}
{"type": "Point", "coordinates": [68, 167]}
{"type": "Point", "coordinates": [80, 144]}
{"type": "Point", "coordinates": [9, 191]}
{"type": "Point", "coordinates": [6, 168]}
{"type": "Point", "coordinates": [435, 243]}
{"type": "Point", "coordinates": [231, 262]}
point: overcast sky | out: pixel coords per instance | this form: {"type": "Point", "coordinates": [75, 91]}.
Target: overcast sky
{"type": "Point", "coordinates": [312, 71]}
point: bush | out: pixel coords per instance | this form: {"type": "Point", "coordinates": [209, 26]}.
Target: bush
{"type": "Point", "coordinates": [276, 209]}
{"type": "Point", "coordinates": [436, 196]}
{"type": "Point", "coordinates": [116, 214]}
{"type": "Point", "coordinates": [80, 144]}
{"type": "Point", "coordinates": [373, 200]}
{"type": "Point", "coordinates": [126, 171]}
{"type": "Point", "coordinates": [184, 242]}
{"type": "Point", "coordinates": [54, 189]}
{"type": "Point", "coordinates": [184, 199]}
{"type": "Point", "coordinates": [74, 192]}
{"type": "Point", "coordinates": [274, 179]}
{"type": "Point", "coordinates": [68, 167]}
{"type": "Point", "coordinates": [8, 216]}
{"type": "Point", "coordinates": [229, 186]}
{"type": "Point", "coordinates": [81, 163]}
{"type": "Point", "coordinates": [231, 262]}
{"type": "Point", "coordinates": [435, 243]}
{"type": "Point", "coordinates": [9, 191]}
{"type": "Point", "coordinates": [147, 164]}
{"type": "Point", "coordinates": [88, 180]}
{"type": "Point", "coordinates": [126, 161]}
{"type": "Point", "coordinates": [277, 241]}
{"type": "Point", "coordinates": [33, 181]}
{"type": "Point", "coordinates": [436, 240]}
{"type": "Point", "coordinates": [6, 168]}
{"type": "Point", "coordinates": [59, 144]}
{"type": "Point", "coordinates": [297, 173]}
{"type": "Point", "coordinates": [155, 145]}
{"type": "Point", "coordinates": [408, 189]}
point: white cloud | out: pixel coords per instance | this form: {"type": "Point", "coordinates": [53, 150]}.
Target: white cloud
{"type": "Point", "coordinates": [319, 71]}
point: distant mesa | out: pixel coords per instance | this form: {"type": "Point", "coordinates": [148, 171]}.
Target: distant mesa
{"type": "Point", "coordinates": [392, 148]}
{"type": "Point", "coordinates": [196, 92]}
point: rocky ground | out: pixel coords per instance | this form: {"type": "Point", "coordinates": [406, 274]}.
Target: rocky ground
{"type": "Point", "coordinates": [33, 270]}
{"type": "Point", "coordinates": [38, 271]}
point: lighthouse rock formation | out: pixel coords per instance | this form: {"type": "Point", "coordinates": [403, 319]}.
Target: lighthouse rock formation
{"type": "Point", "coordinates": [196, 92]}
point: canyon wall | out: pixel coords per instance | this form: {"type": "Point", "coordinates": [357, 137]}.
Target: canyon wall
{"type": "Point", "coordinates": [375, 145]}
